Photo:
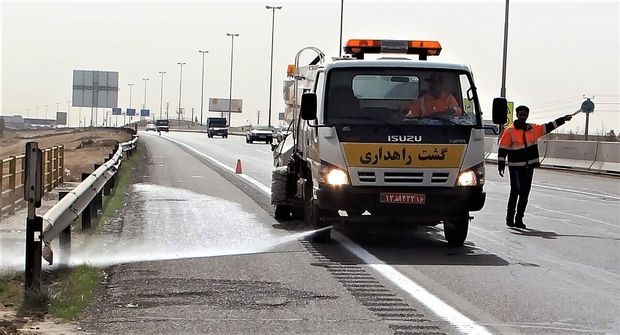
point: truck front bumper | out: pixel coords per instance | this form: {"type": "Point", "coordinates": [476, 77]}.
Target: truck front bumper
{"type": "Point", "coordinates": [439, 202]}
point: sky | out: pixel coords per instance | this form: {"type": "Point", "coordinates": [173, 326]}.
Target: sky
{"type": "Point", "coordinates": [558, 51]}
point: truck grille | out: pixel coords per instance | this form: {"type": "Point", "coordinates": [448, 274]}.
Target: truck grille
{"type": "Point", "coordinates": [404, 178]}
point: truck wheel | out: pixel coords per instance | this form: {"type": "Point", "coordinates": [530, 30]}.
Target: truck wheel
{"type": "Point", "coordinates": [455, 231]}
{"type": "Point", "coordinates": [312, 217]}
{"type": "Point", "coordinates": [282, 212]}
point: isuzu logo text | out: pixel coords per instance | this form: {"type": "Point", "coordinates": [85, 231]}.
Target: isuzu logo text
{"type": "Point", "coordinates": [404, 138]}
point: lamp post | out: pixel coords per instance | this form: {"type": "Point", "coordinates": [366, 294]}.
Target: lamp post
{"type": "Point", "coordinates": [341, 19]}
{"type": "Point", "coordinates": [180, 87]}
{"type": "Point", "coordinates": [273, 20]}
{"type": "Point", "coordinates": [202, 87]}
{"type": "Point", "coordinates": [130, 89]}
{"type": "Point", "coordinates": [161, 94]}
{"type": "Point", "coordinates": [232, 48]}
{"type": "Point", "coordinates": [68, 112]}
{"type": "Point", "coordinates": [144, 106]}
{"type": "Point", "coordinates": [504, 59]}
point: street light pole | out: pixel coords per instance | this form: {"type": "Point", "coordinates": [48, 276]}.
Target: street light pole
{"type": "Point", "coordinates": [232, 48]}
{"type": "Point", "coordinates": [180, 87]}
{"type": "Point", "coordinates": [130, 89]}
{"type": "Point", "coordinates": [341, 19]}
{"type": "Point", "coordinates": [505, 55]}
{"type": "Point", "coordinates": [161, 94]}
{"type": "Point", "coordinates": [273, 20]}
{"type": "Point", "coordinates": [68, 112]}
{"type": "Point", "coordinates": [202, 87]}
{"type": "Point", "coordinates": [144, 106]}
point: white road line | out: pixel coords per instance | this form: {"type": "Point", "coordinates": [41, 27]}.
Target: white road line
{"type": "Point", "coordinates": [433, 303]}
{"type": "Point", "coordinates": [436, 305]}
{"type": "Point", "coordinates": [604, 195]}
{"type": "Point", "coordinates": [575, 215]}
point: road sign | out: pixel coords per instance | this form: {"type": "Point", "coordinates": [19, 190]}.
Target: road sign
{"type": "Point", "coordinates": [116, 111]}
{"type": "Point", "coordinates": [97, 89]}
{"type": "Point", "coordinates": [145, 112]}
{"type": "Point", "coordinates": [221, 105]}
{"type": "Point", "coordinates": [131, 112]}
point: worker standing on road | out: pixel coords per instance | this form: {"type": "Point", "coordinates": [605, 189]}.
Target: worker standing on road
{"type": "Point", "coordinates": [519, 143]}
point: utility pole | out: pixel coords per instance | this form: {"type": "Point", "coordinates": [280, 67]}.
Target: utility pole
{"type": "Point", "coordinates": [341, 19]}
{"type": "Point", "coordinates": [180, 87]}
{"type": "Point", "coordinates": [257, 118]}
{"type": "Point", "coordinates": [504, 60]}
{"type": "Point", "coordinates": [273, 20]}
{"type": "Point", "coordinates": [232, 48]}
{"type": "Point", "coordinates": [202, 87]}
{"type": "Point", "coordinates": [161, 94]}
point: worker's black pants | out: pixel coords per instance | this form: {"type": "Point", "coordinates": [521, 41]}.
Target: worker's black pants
{"type": "Point", "coordinates": [520, 185]}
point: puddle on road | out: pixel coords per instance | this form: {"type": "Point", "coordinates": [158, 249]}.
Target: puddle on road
{"type": "Point", "coordinates": [163, 223]}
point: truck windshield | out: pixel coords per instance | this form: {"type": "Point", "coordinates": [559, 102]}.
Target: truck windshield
{"type": "Point", "coordinates": [217, 123]}
{"type": "Point", "coordinates": [400, 96]}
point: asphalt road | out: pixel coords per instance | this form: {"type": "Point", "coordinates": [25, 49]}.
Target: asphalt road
{"type": "Point", "coordinates": [560, 276]}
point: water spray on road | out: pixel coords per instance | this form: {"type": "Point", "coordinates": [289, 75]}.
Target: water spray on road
{"type": "Point", "coordinates": [167, 223]}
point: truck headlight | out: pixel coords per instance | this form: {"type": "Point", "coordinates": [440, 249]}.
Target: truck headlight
{"type": "Point", "coordinates": [336, 176]}
{"type": "Point", "coordinates": [471, 177]}
{"type": "Point", "coordinates": [467, 178]}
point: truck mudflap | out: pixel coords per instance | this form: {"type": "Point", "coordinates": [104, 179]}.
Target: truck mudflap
{"type": "Point", "coordinates": [382, 201]}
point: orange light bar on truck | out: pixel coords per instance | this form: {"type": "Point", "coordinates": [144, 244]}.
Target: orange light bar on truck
{"type": "Point", "coordinates": [359, 47]}
{"type": "Point", "coordinates": [291, 70]}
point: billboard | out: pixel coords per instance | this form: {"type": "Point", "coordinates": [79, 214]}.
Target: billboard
{"type": "Point", "coordinates": [221, 105]}
{"type": "Point", "coordinates": [61, 118]}
{"type": "Point", "coordinates": [131, 112]}
{"type": "Point", "coordinates": [97, 89]}
{"type": "Point", "coordinates": [116, 111]}
{"type": "Point", "coordinates": [145, 112]}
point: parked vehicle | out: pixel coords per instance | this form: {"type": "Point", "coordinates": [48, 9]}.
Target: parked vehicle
{"type": "Point", "coordinates": [216, 126]}
{"type": "Point", "coordinates": [259, 133]}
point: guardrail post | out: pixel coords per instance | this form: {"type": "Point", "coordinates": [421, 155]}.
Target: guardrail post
{"type": "Point", "coordinates": [12, 184]}
{"type": "Point", "coordinates": [87, 213]}
{"type": "Point", "coordinates": [33, 190]}
{"type": "Point", "coordinates": [1, 189]}
{"type": "Point", "coordinates": [61, 164]}
{"type": "Point", "coordinates": [64, 239]}
{"type": "Point", "coordinates": [48, 169]}
{"type": "Point", "coordinates": [55, 166]}
{"type": "Point", "coordinates": [98, 197]}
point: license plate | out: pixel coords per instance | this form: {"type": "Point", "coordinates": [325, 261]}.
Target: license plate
{"type": "Point", "coordinates": [403, 198]}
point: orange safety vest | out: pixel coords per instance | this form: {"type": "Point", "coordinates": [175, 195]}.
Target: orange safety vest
{"type": "Point", "coordinates": [428, 105]}
{"type": "Point", "coordinates": [520, 145]}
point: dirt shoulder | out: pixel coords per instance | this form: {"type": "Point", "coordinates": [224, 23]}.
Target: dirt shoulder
{"type": "Point", "coordinates": [83, 147]}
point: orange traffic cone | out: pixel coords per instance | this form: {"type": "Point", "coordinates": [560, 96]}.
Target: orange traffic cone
{"type": "Point", "coordinates": [238, 169]}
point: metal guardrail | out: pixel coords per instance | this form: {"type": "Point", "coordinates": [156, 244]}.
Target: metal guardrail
{"type": "Point", "coordinates": [59, 218]}
{"type": "Point", "coordinates": [12, 177]}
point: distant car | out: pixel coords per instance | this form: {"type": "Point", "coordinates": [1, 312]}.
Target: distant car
{"type": "Point", "coordinates": [162, 125]}
{"type": "Point", "coordinates": [151, 126]}
{"type": "Point", "coordinates": [283, 132]}
{"type": "Point", "coordinates": [259, 133]}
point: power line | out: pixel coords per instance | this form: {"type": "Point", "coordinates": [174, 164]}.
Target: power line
{"type": "Point", "coordinates": [559, 101]}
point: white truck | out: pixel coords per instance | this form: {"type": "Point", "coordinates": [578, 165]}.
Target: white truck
{"type": "Point", "coordinates": [360, 145]}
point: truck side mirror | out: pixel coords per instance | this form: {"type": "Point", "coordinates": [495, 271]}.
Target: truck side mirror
{"type": "Point", "coordinates": [308, 106]}
{"type": "Point", "coordinates": [500, 111]}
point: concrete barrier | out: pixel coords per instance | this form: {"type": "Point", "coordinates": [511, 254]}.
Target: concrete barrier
{"type": "Point", "coordinates": [607, 158]}
{"type": "Point", "coordinates": [570, 154]}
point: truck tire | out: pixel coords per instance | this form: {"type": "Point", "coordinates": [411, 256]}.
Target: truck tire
{"type": "Point", "coordinates": [282, 212]}
{"type": "Point", "coordinates": [312, 218]}
{"type": "Point", "coordinates": [455, 231]}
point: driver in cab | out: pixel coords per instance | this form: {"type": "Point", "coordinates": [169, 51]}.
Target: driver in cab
{"type": "Point", "coordinates": [435, 101]}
